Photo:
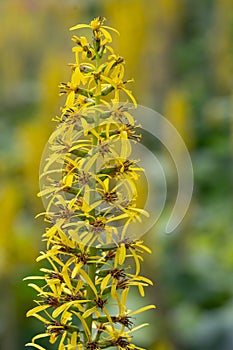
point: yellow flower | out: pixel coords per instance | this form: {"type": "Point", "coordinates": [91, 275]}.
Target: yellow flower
{"type": "Point", "coordinates": [88, 182]}
{"type": "Point", "coordinates": [97, 23]}
{"type": "Point", "coordinates": [97, 26]}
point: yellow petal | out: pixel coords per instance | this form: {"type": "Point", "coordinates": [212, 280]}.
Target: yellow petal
{"type": "Point", "coordinates": [119, 217]}
{"type": "Point", "coordinates": [138, 327]}
{"type": "Point", "coordinates": [113, 290]}
{"type": "Point", "coordinates": [40, 318]}
{"type": "Point", "coordinates": [34, 286]}
{"type": "Point", "coordinates": [143, 279]}
{"type": "Point", "coordinates": [61, 345]}
{"type": "Point", "coordinates": [137, 262]}
{"type": "Point", "coordinates": [39, 336]}
{"type": "Point", "coordinates": [129, 93]}
{"type": "Point", "coordinates": [74, 340]}
{"type": "Point", "coordinates": [76, 269]}
{"type": "Point", "coordinates": [79, 26]}
{"type": "Point", "coordinates": [122, 254]}
{"type": "Point", "coordinates": [66, 278]}
{"type": "Point", "coordinates": [37, 309]}
{"type": "Point", "coordinates": [34, 278]}
{"type": "Point", "coordinates": [142, 309]}
{"type": "Point", "coordinates": [141, 290]}
{"type": "Point", "coordinates": [70, 99]}
{"type": "Point", "coordinates": [104, 282]}
{"type": "Point", "coordinates": [110, 28]}
{"type": "Point", "coordinates": [76, 77]}
{"type": "Point", "coordinates": [88, 280]}
{"type": "Point", "coordinates": [107, 35]}
{"type": "Point", "coordinates": [89, 312]}
{"type": "Point", "coordinates": [84, 324]}
{"type": "Point", "coordinates": [124, 296]}
{"type": "Point", "coordinates": [109, 80]}
{"type": "Point", "coordinates": [61, 308]}
{"type": "Point", "coordinates": [35, 346]}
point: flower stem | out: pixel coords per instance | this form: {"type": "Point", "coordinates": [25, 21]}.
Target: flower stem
{"type": "Point", "coordinates": [97, 63]}
{"type": "Point", "coordinates": [92, 251]}
{"type": "Point", "coordinates": [90, 292]}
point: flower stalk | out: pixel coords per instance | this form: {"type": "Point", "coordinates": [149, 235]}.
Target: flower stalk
{"type": "Point", "coordinates": [88, 185]}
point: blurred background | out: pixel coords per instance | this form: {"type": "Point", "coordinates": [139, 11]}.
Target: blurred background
{"type": "Point", "coordinates": [180, 53]}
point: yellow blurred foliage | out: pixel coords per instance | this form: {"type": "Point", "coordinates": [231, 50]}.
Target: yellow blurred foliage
{"type": "Point", "coordinates": [220, 44]}
{"type": "Point", "coordinates": [15, 247]}
{"type": "Point", "coordinates": [181, 56]}
{"type": "Point", "coordinates": [177, 111]}
{"type": "Point", "coordinates": [163, 345]}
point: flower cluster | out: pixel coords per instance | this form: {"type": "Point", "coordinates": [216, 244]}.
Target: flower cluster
{"type": "Point", "coordinates": [88, 185]}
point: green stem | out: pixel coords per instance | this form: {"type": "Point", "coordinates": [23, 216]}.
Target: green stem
{"type": "Point", "coordinates": [93, 251]}
{"type": "Point", "coordinates": [97, 98]}
{"type": "Point", "coordinates": [90, 293]}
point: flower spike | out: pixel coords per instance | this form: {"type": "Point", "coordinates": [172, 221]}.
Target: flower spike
{"type": "Point", "coordinates": [89, 188]}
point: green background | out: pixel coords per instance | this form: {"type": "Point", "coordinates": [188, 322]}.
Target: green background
{"type": "Point", "coordinates": [180, 53]}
